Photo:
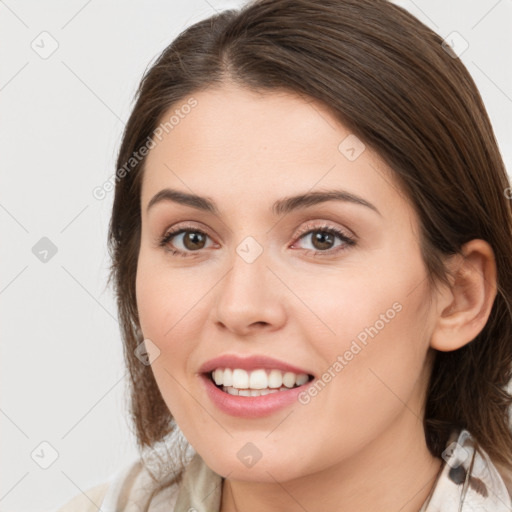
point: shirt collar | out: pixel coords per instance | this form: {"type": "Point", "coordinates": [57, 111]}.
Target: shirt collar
{"type": "Point", "coordinates": [468, 480]}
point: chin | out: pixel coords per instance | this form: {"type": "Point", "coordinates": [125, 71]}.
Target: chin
{"type": "Point", "coordinates": [250, 464]}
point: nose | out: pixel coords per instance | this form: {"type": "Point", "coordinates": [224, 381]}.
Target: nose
{"type": "Point", "coordinates": [250, 298]}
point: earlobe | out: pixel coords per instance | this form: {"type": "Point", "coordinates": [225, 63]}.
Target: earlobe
{"type": "Point", "coordinates": [464, 308]}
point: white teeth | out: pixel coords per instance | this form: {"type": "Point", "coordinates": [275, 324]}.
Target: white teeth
{"type": "Point", "coordinates": [240, 379]}
{"type": "Point", "coordinates": [289, 379]}
{"type": "Point", "coordinates": [302, 378]}
{"type": "Point", "coordinates": [251, 392]}
{"type": "Point", "coordinates": [275, 379]}
{"type": "Point", "coordinates": [257, 380]}
{"type": "Point", "coordinates": [227, 378]}
{"type": "Point", "coordinates": [217, 376]}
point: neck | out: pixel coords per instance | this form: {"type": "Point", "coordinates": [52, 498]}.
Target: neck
{"type": "Point", "coordinates": [393, 472]}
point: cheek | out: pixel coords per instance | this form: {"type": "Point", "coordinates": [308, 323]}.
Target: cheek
{"type": "Point", "coordinates": [165, 299]}
{"type": "Point", "coordinates": [166, 314]}
{"type": "Point", "coordinates": [373, 367]}
{"type": "Point", "coordinates": [375, 348]}
{"type": "Point", "coordinates": [172, 306]}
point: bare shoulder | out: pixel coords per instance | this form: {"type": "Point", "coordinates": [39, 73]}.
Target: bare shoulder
{"type": "Point", "coordinates": [88, 501]}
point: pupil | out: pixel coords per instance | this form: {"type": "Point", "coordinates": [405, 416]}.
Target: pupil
{"type": "Point", "coordinates": [193, 238]}
{"type": "Point", "coordinates": [320, 237]}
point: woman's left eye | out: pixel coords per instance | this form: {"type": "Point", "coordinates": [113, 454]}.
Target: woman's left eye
{"type": "Point", "coordinates": [323, 237]}
{"type": "Point", "coordinates": [323, 240]}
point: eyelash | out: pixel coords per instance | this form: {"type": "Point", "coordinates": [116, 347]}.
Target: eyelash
{"type": "Point", "coordinates": [348, 241]}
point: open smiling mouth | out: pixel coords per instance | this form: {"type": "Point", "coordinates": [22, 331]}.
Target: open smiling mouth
{"type": "Point", "coordinates": [256, 382]}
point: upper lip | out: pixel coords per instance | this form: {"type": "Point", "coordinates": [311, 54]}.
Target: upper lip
{"type": "Point", "coordinates": [249, 363]}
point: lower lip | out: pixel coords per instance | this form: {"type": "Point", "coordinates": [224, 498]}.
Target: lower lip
{"type": "Point", "coordinates": [251, 406]}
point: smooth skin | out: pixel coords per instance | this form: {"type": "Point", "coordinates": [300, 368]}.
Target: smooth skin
{"type": "Point", "coordinates": [359, 444]}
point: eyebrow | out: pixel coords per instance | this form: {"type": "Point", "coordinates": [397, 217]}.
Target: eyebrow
{"type": "Point", "coordinates": [281, 206]}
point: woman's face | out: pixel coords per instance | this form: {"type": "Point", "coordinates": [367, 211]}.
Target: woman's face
{"type": "Point", "coordinates": [260, 274]}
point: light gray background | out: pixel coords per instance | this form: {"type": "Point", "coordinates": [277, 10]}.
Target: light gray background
{"type": "Point", "coordinates": [61, 122]}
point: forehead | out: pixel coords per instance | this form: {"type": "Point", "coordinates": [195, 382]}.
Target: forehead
{"type": "Point", "coordinates": [260, 145]}
{"type": "Point", "coordinates": [236, 123]}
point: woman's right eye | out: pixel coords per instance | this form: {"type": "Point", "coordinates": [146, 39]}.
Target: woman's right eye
{"type": "Point", "coordinates": [191, 239]}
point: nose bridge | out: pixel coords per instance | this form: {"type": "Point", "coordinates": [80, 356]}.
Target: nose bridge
{"type": "Point", "coordinates": [246, 295]}
{"type": "Point", "coordinates": [247, 276]}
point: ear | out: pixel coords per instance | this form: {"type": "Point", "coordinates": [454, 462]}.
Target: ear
{"type": "Point", "coordinates": [464, 308]}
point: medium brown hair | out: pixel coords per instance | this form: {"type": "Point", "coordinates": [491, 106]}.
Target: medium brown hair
{"type": "Point", "coordinates": [391, 81]}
